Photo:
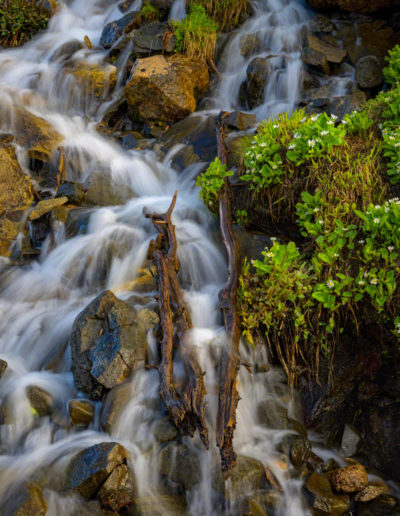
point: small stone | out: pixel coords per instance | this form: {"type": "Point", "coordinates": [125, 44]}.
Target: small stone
{"type": "Point", "coordinates": [165, 431]}
{"type": "Point", "coordinates": [46, 206]}
{"type": "Point", "coordinates": [239, 120]}
{"type": "Point", "coordinates": [114, 30]}
{"type": "Point", "coordinates": [350, 479]}
{"type": "Point", "coordinates": [81, 412]}
{"type": "Point", "coordinates": [300, 449]}
{"type": "Point", "coordinates": [249, 44]}
{"type": "Point", "coordinates": [40, 400]}
{"type": "Point", "coordinates": [318, 485]}
{"type": "Point", "coordinates": [350, 440]}
{"type": "Point", "coordinates": [369, 72]}
{"type": "Point", "coordinates": [74, 192]}
{"type": "Point", "coordinates": [369, 493]}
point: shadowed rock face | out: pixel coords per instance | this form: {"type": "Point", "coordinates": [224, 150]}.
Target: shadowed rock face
{"type": "Point", "coordinates": [108, 340]}
{"type": "Point", "coordinates": [27, 501]}
{"type": "Point", "coordinates": [362, 6]}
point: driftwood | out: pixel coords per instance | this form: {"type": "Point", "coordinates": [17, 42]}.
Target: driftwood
{"type": "Point", "coordinates": [229, 362]}
{"type": "Point", "coordinates": [185, 409]}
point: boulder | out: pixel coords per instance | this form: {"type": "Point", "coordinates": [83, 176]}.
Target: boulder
{"type": "Point", "coordinates": [108, 341]}
{"type": "Point", "coordinates": [165, 431]}
{"type": "Point", "coordinates": [101, 190]}
{"type": "Point", "coordinates": [319, 488]}
{"type": "Point", "coordinates": [28, 500]}
{"type": "Point", "coordinates": [94, 79]}
{"type": "Point", "coordinates": [272, 414]}
{"type": "Point", "coordinates": [332, 53]}
{"type": "Point", "coordinates": [118, 490]}
{"type": "Point", "coordinates": [369, 72]}
{"type": "Point", "coordinates": [113, 405]}
{"type": "Point", "coordinates": [149, 40]}
{"type": "Point", "coordinates": [180, 465]}
{"type": "Point", "coordinates": [40, 400]}
{"type": "Point", "coordinates": [46, 206]}
{"type": "Point", "coordinates": [114, 30]}
{"type": "Point", "coordinates": [249, 44]}
{"type": "Point", "coordinates": [257, 74]}
{"type": "Point", "coordinates": [81, 412]}
{"type": "Point", "coordinates": [15, 197]}
{"type": "Point", "coordinates": [350, 479]}
{"type": "Point", "coordinates": [248, 476]}
{"type": "Point", "coordinates": [359, 6]}
{"type": "Point", "coordinates": [165, 88]}
{"type": "Point", "coordinates": [88, 470]}
{"type": "Point", "coordinates": [73, 191]}
{"type": "Point", "coordinates": [66, 50]}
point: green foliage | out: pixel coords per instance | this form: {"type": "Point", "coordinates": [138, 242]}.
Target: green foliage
{"type": "Point", "coordinates": [241, 217]}
{"type": "Point", "coordinates": [226, 13]}
{"type": "Point", "coordinates": [211, 182]}
{"type": "Point", "coordinates": [391, 73]}
{"type": "Point", "coordinates": [196, 34]}
{"type": "Point", "coordinates": [20, 20]}
{"type": "Point", "coordinates": [357, 122]}
{"type": "Point", "coordinates": [149, 12]}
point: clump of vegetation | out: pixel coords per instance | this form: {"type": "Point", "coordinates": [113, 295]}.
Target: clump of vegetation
{"type": "Point", "coordinates": [211, 182]}
{"type": "Point", "coordinates": [226, 13]}
{"type": "Point", "coordinates": [196, 34]}
{"type": "Point", "coordinates": [20, 20]}
{"type": "Point", "coordinates": [337, 180]}
{"type": "Point", "coordinates": [149, 13]}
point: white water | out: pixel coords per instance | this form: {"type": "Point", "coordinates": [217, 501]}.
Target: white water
{"type": "Point", "coordinates": [39, 302]}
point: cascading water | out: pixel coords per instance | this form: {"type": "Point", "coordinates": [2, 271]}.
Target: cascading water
{"type": "Point", "coordinates": [39, 302]}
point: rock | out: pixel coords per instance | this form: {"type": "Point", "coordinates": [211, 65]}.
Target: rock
{"type": "Point", "coordinates": [87, 471]}
{"type": "Point", "coordinates": [183, 157]}
{"type": "Point", "coordinates": [73, 191]}
{"type": "Point", "coordinates": [257, 73]}
{"type": "Point", "coordinates": [350, 440]}
{"type": "Point", "coordinates": [113, 405]}
{"type": "Point", "coordinates": [321, 23]}
{"type": "Point", "coordinates": [66, 50]}
{"type": "Point", "coordinates": [107, 342]}
{"type": "Point", "coordinates": [164, 430]}
{"type": "Point", "coordinates": [332, 53]}
{"type": "Point", "coordinates": [240, 121]}
{"type": "Point", "coordinates": [49, 6]}
{"type": "Point", "coordinates": [165, 88]}
{"type": "Point", "coordinates": [148, 40]}
{"type": "Point", "coordinates": [94, 79]}
{"type": "Point", "coordinates": [316, 60]}
{"type": "Point", "coordinates": [101, 190]}
{"type": "Point", "coordinates": [341, 106]}
{"type": "Point", "coordinates": [248, 476]}
{"type": "Point", "coordinates": [272, 414]}
{"type": "Point", "coordinates": [369, 72]}
{"type": "Point", "coordinates": [81, 412]}
{"type": "Point", "coordinates": [384, 505]}
{"type": "Point", "coordinates": [340, 504]}
{"type": "Point", "coordinates": [118, 490]}
{"type": "Point", "coordinates": [40, 400]}
{"type": "Point", "coordinates": [160, 505]}
{"type": "Point", "coordinates": [249, 44]}
{"type": "Point", "coordinates": [359, 6]}
{"type": "Point", "coordinates": [43, 207]}
{"type": "Point", "coordinates": [3, 367]}
{"type": "Point", "coordinates": [114, 30]}
{"type": "Point", "coordinates": [350, 479]}
{"type": "Point", "coordinates": [180, 465]}
{"type": "Point", "coordinates": [322, 496]}
{"type": "Point", "coordinates": [28, 500]}
{"type": "Point", "coordinates": [300, 449]}
{"type": "Point", "coordinates": [369, 493]}
{"type": "Point", "coordinates": [15, 197]}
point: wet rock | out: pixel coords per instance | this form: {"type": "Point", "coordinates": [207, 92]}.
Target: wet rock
{"type": "Point", "coordinates": [340, 504]}
{"type": "Point", "coordinates": [107, 342]}
{"type": "Point", "coordinates": [48, 6]}
{"type": "Point", "coordinates": [43, 207]}
{"type": "Point", "coordinates": [148, 40]}
{"type": "Point", "coordinates": [359, 6]}
{"type": "Point", "coordinates": [321, 494]}
{"type": "Point", "coordinates": [81, 412]}
{"type": "Point", "coordinates": [88, 470]}
{"type": "Point", "coordinates": [113, 405]}
{"type": "Point", "coordinates": [333, 54]}
{"type": "Point", "coordinates": [101, 190]}
{"type": "Point", "coordinates": [180, 465]}
{"type": "Point", "coordinates": [369, 493]}
{"type": "Point", "coordinates": [165, 89]}
{"type": "Point", "coordinates": [272, 414]}
{"type": "Point", "coordinates": [299, 451]}
{"type": "Point", "coordinates": [28, 500]}
{"type": "Point", "coordinates": [94, 79]}
{"type": "Point", "coordinates": [350, 440]}
{"type": "Point", "coordinates": [40, 400]}
{"type": "Point", "coordinates": [114, 30]}
{"type": "Point", "coordinates": [77, 221]}
{"type": "Point", "coordinates": [316, 60]}
{"type": "Point", "coordinates": [369, 72]}
{"type": "Point", "coordinates": [160, 505]}
{"type": "Point", "coordinates": [15, 197]}
{"type": "Point", "coordinates": [73, 191]}
{"type": "Point", "coordinates": [183, 157]}
{"type": "Point", "coordinates": [248, 476]}
{"type": "Point", "coordinates": [350, 479]}
{"type": "Point", "coordinates": [240, 121]}
{"type": "Point", "coordinates": [3, 367]}
{"type": "Point", "coordinates": [257, 74]}
{"type": "Point", "coordinates": [321, 23]}
{"type": "Point", "coordinates": [249, 44]}
{"type": "Point", "coordinates": [66, 50]}
{"type": "Point", "coordinates": [384, 505]}
{"type": "Point", "coordinates": [165, 431]}
{"type": "Point", "coordinates": [118, 490]}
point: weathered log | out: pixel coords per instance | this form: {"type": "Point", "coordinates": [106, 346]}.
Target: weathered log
{"type": "Point", "coordinates": [174, 310]}
{"type": "Point", "coordinates": [228, 397]}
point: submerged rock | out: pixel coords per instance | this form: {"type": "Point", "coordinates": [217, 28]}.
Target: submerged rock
{"type": "Point", "coordinates": [15, 197]}
{"type": "Point", "coordinates": [108, 341]}
{"type": "Point", "coordinates": [101, 190]}
{"type": "Point", "coordinates": [165, 88]}
{"type": "Point", "coordinates": [3, 367]}
{"type": "Point", "coordinates": [164, 430]}
{"type": "Point", "coordinates": [249, 44]}
{"type": "Point", "coordinates": [28, 500]}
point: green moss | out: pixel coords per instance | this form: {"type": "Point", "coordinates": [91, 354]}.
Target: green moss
{"type": "Point", "coordinates": [226, 13]}
{"type": "Point", "coordinates": [20, 20]}
{"type": "Point", "coordinates": [149, 12]}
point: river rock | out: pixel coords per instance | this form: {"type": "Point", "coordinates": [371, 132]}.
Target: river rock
{"type": "Point", "coordinates": [180, 465]}
{"type": "Point", "coordinates": [149, 40]}
{"type": "Point", "coordinates": [66, 50]}
{"type": "Point", "coordinates": [160, 505]}
{"type": "Point", "coordinates": [248, 476]}
{"type": "Point", "coordinates": [101, 190]}
{"type": "Point", "coordinates": [340, 504]}
{"type": "Point", "coordinates": [249, 44]}
{"type": "Point", "coordinates": [40, 400]}
{"type": "Point", "coordinates": [108, 341]}
{"type": "Point", "coordinates": [322, 24]}
{"type": "Point", "coordinates": [359, 6]}
{"type": "Point", "coordinates": [384, 505]}
{"type": "Point", "coordinates": [87, 471]}
{"type": "Point", "coordinates": [165, 88]}
{"type": "Point", "coordinates": [369, 72]}
{"type": "Point", "coordinates": [43, 207]}
{"type": "Point", "coordinates": [257, 74]}
{"type": "Point", "coordinates": [74, 192]}
{"type": "Point", "coordinates": [321, 494]}
{"type": "Point", "coordinates": [333, 54]}
{"type": "Point", "coordinates": [165, 431]}
{"type": "Point", "coordinates": [114, 404]}
{"type": "Point", "coordinates": [272, 414]}
{"type": "Point", "coordinates": [81, 412]}
{"type": "Point", "coordinates": [118, 490]}
{"type": "Point", "coordinates": [15, 197]}
{"type": "Point", "coordinates": [239, 120]}
{"type": "Point", "coordinates": [28, 500]}
{"type": "Point", "coordinates": [94, 79]}
{"type": "Point", "coordinates": [369, 493]}
{"type": "Point", "coordinates": [114, 30]}
{"type": "Point", "coordinates": [299, 450]}
{"type": "Point", "coordinates": [350, 479]}
{"type": "Point", "coordinates": [350, 440]}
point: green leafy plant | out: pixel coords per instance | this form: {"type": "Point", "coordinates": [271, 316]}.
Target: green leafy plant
{"type": "Point", "coordinates": [357, 122]}
{"type": "Point", "coordinates": [196, 34]}
{"type": "Point", "coordinates": [391, 73]}
{"type": "Point", "coordinates": [226, 13]}
{"type": "Point", "coordinates": [241, 217]}
{"type": "Point", "coordinates": [211, 182]}
{"type": "Point", "coordinates": [20, 20]}
{"type": "Point", "coordinates": [149, 12]}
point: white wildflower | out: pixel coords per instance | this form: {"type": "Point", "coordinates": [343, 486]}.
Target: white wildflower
{"type": "Point", "coordinates": [311, 143]}
{"type": "Point", "coordinates": [330, 284]}
{"type": "Point", "coordinates": [374, 281]}
{"type": "Point", "coordinates": [376, 220]}
{"type": "Point", "coordinates": [324, 133]}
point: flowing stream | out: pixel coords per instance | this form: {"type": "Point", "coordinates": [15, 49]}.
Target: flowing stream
{"type": "Point", "coordinates": [39, 302]}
